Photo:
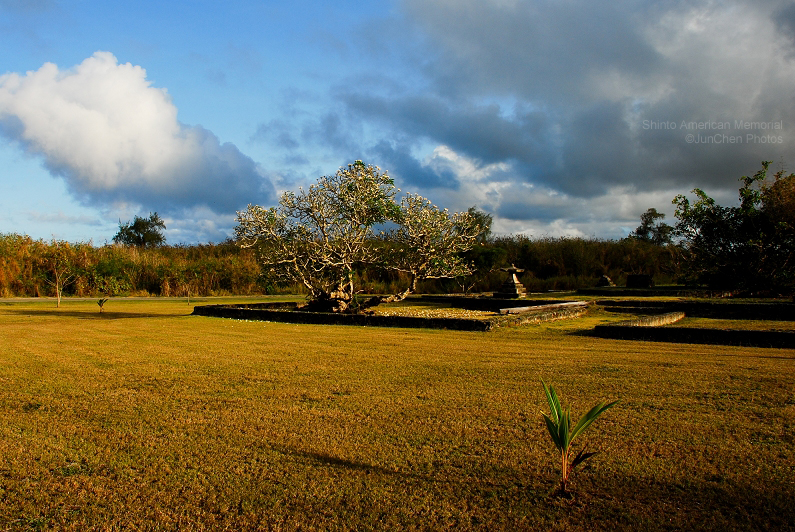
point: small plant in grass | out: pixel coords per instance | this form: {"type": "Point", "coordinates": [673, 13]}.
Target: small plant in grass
{"type": "Point", "coordinates": [562, 434]}
{"type": "Point", "coordinates": [101, 303]}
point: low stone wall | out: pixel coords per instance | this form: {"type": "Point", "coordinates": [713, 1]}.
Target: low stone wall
{"type": "Point", "coordinates": [559, 312]}
{"type": "Point", "coordinates": [706, 309]}
{"type": "Point", "coordinates": [652, 321]}
{"type": "Point", "coordinates": [251, 312]}
{"type": "Point", "coordinates": [279, 305]}
{"type": "Point", "coordinates": [660, 291]}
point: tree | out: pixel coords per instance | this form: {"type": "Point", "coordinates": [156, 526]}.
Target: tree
{"type": "Point", "coordinates": [142, 232]}
{"type": "Point", "coordinates": [652, 229]}
{"type": "Point", "coordinates": [750, 247]}
{"type": "Point", "coordinates": [320, 237]}
{"type": "Point", "coordinates": [59, 268]}
{"type": "Point", "coordinates": [428, 243]}
{"type": "Point", "coordinates": [484, 221]}
{"type": "Point", "coordinates": [483, 257]}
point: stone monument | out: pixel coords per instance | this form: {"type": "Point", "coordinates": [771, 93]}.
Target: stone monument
{"type": "Point", "coordinates": [511, 288]}
{"type": "Point", "coordinates": [605, 281]}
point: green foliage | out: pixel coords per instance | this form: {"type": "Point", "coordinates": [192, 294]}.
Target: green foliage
{"type": "Point", "coordinates": [26, 269]}
{"type": "Point", "coordinates": [142, 232]}
{"type": "Point", "coordinates": [560, 430]}
{"type": "Point", "coordinates": [750, 247]}
{"type": "Point", "coordinates": [652, 229]}
{"type": "Point", "coordinates": [226, 268]}
{"type": "Point", "coordinates": [58, 266]}
{"type": "Point", "coordinates": [483, 220]}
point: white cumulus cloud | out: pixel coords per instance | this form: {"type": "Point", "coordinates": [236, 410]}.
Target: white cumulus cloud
{"type": "Point", "coordinates": [114, 138]}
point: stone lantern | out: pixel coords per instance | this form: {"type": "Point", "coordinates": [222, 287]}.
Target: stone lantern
{"type": "Point", "coordinates": [511, 288]}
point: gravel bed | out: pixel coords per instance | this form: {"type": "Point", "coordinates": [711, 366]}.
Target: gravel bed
{"type": "Point", "coordinates": [425, 312]}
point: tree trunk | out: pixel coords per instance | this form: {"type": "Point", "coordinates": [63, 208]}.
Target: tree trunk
{"type": "Point", "coordinates": [378, 300]}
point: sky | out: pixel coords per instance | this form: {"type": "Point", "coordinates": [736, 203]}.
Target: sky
{"type": "Point", "coordinates": [557, 117]}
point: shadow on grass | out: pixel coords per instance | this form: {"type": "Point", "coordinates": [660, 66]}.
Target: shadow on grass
{"type": "Point", "coordinates": [714, 503]}
{"type": "Point", "coordinates": [89, 315]}
{"type": "Point", "coordinates": [773, 341]}
{"type": "Point", "coordinates": [333, 461]}
{"type": "Point", "coordinates": [583, 332]}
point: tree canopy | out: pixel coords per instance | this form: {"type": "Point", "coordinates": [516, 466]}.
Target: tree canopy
{"type": "Point", "coordinates": [750, 247]}
{"type": "Point", "coordinates": [142, 232]}
{"type": "Point", "coordinates": [319, 237]}
{"type": "Point", "coordinates": [652, 229]}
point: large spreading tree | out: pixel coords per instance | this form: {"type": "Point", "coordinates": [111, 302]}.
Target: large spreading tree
{"type": "Point", "coordinates": [750, 247]}
{"type": "Point", "coordinates": [322, 236]}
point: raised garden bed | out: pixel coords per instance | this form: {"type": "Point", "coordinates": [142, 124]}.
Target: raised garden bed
{"type": "Point", "coordinates": [488, 304]}
{"type": "Point", "coordinates": [419, 318]}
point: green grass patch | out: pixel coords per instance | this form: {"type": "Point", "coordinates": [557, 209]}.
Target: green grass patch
{"type": "Point", "coordinates": [146, 417]}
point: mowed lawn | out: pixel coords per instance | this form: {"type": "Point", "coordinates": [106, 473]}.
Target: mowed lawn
{"type": "Point", "coordinates": [147, 418]}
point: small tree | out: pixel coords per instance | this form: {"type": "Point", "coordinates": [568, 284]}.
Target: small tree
{"type": "Point", "coordinates": [142, 232]}
{"type": "Point", "coordinates": [59, 267]}
{"type": "Point", "coordinates": [320, 237]}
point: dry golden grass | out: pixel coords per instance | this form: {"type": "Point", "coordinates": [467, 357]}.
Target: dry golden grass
{"type": "Point", "coordinates": [147, 418]}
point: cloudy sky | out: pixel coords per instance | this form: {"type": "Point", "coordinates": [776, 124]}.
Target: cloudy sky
{"type": "Point", "coordinates": [566, 117]}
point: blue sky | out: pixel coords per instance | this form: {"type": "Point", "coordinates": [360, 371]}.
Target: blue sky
{"type": "Point", "coordinates": [558, 118]}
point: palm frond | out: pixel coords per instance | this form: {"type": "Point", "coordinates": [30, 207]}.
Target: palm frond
{"type": "Point", "coordinates": [590, 417]}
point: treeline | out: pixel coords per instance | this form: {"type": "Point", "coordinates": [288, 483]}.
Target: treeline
{"type": "Point", "coordinates": [40, 268]}
{"type": "Point", "coordinates": [33, 268]}
{"type": "Point", "coordinates": [568, 263]}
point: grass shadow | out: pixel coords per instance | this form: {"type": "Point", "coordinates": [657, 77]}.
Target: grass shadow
{"type": "Point", "coordinates": [89, 315]}
{"type": "Point", "coordinates": [325, 459]}
{"type": "Point", "coordinates": [590, 333]}
{"type": "Point", "coordinates": [688, 505]}
{"type": "Point", "coordinates": [333, 461]}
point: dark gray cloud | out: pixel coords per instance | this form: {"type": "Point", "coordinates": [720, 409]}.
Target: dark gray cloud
{"type": "Point", "coordinates": [401, 163]}
{"type": "Point", "coordinates": [479, 130]}
{"type": "Point", "coordinates": [276, 132]}
{"type": "Point", "coordinates": [580, 113]}
{"type": "Point", "coordinates": [785, 20]}
{"type": "Point", "coordinates": [330, 131]}
{"type": "Point", "coordinates": [541, 51]}
{"type": "Point", "coordinates": [588, 98]}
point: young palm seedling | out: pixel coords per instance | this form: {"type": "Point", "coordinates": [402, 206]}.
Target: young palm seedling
{"type": "Point", "coordinates": [562, 434]}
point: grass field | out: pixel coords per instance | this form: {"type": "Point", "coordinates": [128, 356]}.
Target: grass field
{"type": "Point", "coordinates": [147, 418]}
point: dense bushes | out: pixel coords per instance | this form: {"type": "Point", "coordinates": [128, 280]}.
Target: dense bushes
{"type": "Point", "coordinates": [568, 263]}
{"type": "Point", "coordinates": [27, 267]}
